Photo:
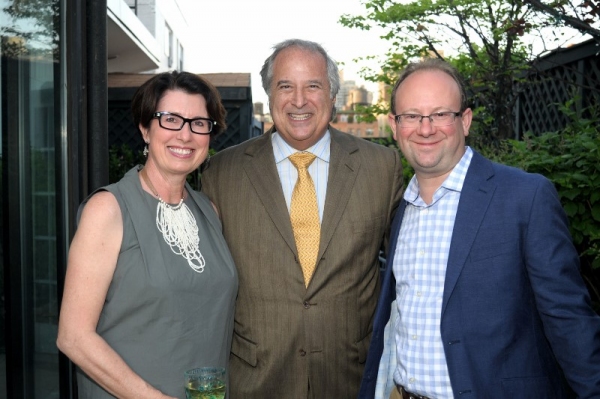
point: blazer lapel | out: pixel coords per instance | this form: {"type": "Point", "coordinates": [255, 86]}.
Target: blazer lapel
{"type": "Point", "coordinates": [475, 198]}
{"type": "Point", "coordinates": [343, 169]}
{"type": "Point", "coordinates": [259, 166]}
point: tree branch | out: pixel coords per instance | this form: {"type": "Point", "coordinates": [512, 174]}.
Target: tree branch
{"type": "Point", "coordinates": [568, 20]}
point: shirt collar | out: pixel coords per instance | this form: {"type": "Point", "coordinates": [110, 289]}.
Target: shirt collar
{"type": "Point", "coordinates": [453, 182]}
{"type": "Point", "coordinates": [282, 150]}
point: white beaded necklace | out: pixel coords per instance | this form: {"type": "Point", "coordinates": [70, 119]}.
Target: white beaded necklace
{"type": "Point", "coordinates": [178, 227]}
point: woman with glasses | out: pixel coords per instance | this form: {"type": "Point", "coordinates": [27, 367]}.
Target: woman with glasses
{"type": "Point", "coordinates": [150, 284]}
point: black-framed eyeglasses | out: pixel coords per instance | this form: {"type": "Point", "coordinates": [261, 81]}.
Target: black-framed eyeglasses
{"type": "Point", "coordinates": [437, 119]}
{"type": "Point", "coordinates": [171, 121]}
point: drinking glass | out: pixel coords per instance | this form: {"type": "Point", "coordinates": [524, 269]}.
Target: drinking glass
{"type": "Point", "coordinates": [205, 383]}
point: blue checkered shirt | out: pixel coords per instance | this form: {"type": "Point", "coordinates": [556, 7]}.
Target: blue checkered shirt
{"type": "Point", "coordinates": [420, 269]}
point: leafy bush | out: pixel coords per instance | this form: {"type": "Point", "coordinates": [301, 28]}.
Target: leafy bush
{"type": "Point", "coordinates": [120, 160]}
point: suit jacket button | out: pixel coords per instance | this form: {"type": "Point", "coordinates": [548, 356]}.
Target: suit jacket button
{"type": "Point", "coordinates": [302, 352]}
{"type": "Point", "coordinates": [306, 305]}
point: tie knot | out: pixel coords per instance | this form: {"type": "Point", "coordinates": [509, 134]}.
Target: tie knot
{"type": "Point", "coordinates": [302, 160]}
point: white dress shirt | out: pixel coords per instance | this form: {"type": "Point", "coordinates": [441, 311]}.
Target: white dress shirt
{"type": "Point", "coordinates": [318, 169]}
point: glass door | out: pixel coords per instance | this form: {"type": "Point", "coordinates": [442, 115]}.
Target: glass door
{"type": "Point", "coordinates": [30, 120]}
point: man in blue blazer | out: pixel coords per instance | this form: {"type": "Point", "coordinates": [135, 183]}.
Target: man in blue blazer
{"type": "Point", "coordinates": [490, 302]}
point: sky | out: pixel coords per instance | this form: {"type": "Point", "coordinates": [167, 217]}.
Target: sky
{"type": "Point", "coordinates": [238, 35]}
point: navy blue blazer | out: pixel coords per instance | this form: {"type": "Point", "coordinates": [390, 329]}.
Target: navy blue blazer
{"type": "Point", "coordinates": [516, 314]}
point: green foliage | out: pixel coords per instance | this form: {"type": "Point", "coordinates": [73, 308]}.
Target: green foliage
{"type": "Point", "coordinates": [579, 14]}
{"type": "Point", "coordinates": [570, 159]}
{"type": "Point", "coordinates": [120, 160]}
{"type": "Point", "coordinates": [368, 113]}
{"type": "Point", "coordinates": [35, 24]}
{"type": "Point", "coordinates": [488, 37]}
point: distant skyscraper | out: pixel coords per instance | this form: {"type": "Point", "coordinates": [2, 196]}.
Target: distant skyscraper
{"type": "Point", "coordinates": [258, 108]}
{"type": "Point", "coordinates": [342, 96]}
{"type": "Point", "coordinates": [350, 94]}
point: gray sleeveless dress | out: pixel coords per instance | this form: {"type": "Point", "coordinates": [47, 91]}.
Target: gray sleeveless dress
{"type": "Point", "coordinates": [160, 316]}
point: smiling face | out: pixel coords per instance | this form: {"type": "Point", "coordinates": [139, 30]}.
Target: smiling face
{"type": "Point", "coordinates": [432, 151]}
{"type": "Point", "coordinates": [177, 153]}
{"type": "Point", "coordinates": [300, 101]}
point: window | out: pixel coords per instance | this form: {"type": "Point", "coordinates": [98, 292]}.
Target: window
{"type": "Point", "coordinates": [169, 45]}
{"type": "Point", "coordinates": [180, 57]}
{"type": "Point", "coordinates": [30, 162]}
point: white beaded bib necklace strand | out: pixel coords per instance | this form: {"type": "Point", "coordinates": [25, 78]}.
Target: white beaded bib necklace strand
{"type": "Point", "coordinates": [178, 227]}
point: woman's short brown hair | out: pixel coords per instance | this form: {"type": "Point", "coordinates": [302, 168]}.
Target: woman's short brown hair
{"type": "Point", "coordinates": [146, 98]}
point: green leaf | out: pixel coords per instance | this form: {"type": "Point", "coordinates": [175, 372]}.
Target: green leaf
{"type": "Point", "coordinates": [570, 209]}
{"type": "Point", "coordinates": [570, 194]}
{"type": "Point", "coordinates": [596, 213]}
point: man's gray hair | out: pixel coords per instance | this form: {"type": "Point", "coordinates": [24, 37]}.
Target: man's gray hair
{"type": "Point", "coordinates": [333, 75]}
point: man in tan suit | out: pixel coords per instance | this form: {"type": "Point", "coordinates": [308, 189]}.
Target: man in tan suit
{"type": "Point", "coordinates": [299, 336]}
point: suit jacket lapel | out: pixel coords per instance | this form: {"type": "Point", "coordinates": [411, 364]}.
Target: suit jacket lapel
{"type": "Point", "coordinates": [343, 169]}
{"type": "Point", "coordinates": [259, 166]}
{"type": "Point", "coordinates": [477, 192]}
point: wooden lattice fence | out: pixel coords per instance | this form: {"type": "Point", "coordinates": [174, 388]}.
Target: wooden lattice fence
{"type": "Point", "coordinates": [565, 74]}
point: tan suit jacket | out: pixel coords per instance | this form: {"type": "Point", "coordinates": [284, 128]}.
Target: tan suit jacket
{"type": "Point", "coordinates": [288, 337]}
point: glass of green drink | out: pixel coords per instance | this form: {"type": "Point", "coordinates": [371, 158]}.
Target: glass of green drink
{"type": "Point", "coordinates": [205, 383]}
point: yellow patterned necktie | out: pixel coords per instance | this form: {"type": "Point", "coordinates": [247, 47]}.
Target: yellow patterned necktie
{"type": "Point", "coordinates": [304, 215]}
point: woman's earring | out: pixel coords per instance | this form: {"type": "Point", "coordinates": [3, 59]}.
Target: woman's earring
{"type": "Point", "coordinates": [145, 152]}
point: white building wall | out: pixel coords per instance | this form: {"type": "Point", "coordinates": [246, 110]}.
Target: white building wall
{"type": "Point", "coordinates": [160, 16]}
{"type": "Point", "coordinates": [131, 47]}
{"type": "Point", "coordinates": [146, 11]}
{"type": "Point", "coordinates": [170, 16]}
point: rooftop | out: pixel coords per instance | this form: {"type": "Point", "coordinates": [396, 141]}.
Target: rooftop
{"type": "Point", "coordinates": [217, 79]}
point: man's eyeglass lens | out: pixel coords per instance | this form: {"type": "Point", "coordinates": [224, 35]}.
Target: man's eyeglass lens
{"type": "Point", "coordinates": [437, 119]}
